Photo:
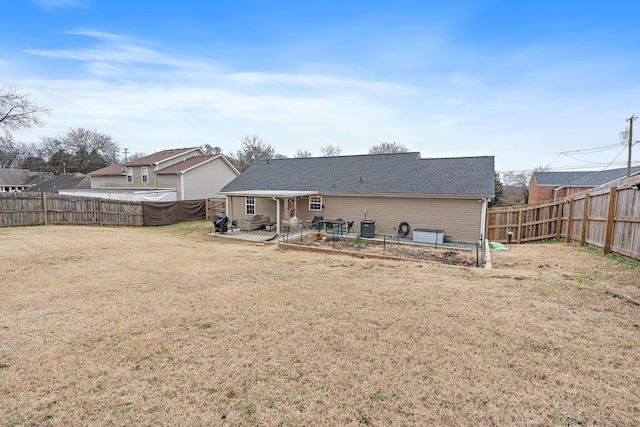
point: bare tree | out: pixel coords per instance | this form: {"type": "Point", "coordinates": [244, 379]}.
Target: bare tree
{"type": "Point", "coordinates": [17, 111]}
{"type": "Point", "coordinates": [80, 150]}
{"type": "Point", "coordinates": [518, 183]}
{"type": "Point", "coordinates": [388, 148]}
{"type": "Point", "coordinates": [303, 154]}
{"type": "Point", "coordinates": [208, 149]}
{"type": "Point", "coordinates": [135, 156]}
{"type": "Point", "coordinates": [8, 152]}
{"type": "Point", "coordinates": [252, 150]}
{"type": "Point", "coordinates": [331, 150]}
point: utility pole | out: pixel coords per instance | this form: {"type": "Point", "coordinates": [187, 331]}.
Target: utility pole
{"type": "Point", "coordinates": [630, 120]}
{"type": "Point", "coordinates": [126, 151]}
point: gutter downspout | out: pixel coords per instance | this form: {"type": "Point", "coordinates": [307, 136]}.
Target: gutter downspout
{"type": "Point", "coordinates": [483, 220]}
{"type": "Point", "coordinates": [181, 185]}
{"type": "Point", "coordinates": [155, 176]}
{"type": "Point", "coordinates": [277, 214]}
{"type": "Point", "coordinates": [484, 248]}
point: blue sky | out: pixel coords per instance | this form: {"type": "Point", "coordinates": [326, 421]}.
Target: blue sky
{"type": "Point", "coordinates": [537, 83]}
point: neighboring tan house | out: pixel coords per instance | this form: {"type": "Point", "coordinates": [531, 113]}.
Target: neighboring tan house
{"type": "Point", "coordinates": [66, 181]}
{"type": "Point", "coordinates": [18, 180]}
{"type": "Point", "coordinates": [176, 174]}
{"type": "Point", "coordinates": [448, 194]}
{"type": "Point", "coordinates": [549, 186]}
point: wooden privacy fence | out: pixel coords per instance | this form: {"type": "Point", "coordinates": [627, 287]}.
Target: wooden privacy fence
{"type": "Point", "coordinates": [42, 208]}
{"type": "Point", "coordinates": [607, 217]}
{"type": "Point", "coordinates": [215, 206]}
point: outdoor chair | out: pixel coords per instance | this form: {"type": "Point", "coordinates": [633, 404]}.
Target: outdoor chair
{"type": "Point", "coordinates": [315, 223]}
{"type": "Point", "coordinates": [253, 222]}
{"type": "Point", "coordinates": [349, 226]}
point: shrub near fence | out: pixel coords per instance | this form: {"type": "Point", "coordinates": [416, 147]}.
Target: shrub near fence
{"type": "Point", "coordinates": [607, 217]}
{"type": "Point", "coordinates": [41, 208]}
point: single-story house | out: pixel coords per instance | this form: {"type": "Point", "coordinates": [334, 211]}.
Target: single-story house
{"type": "Point", "coordinates": [548, 186]}
{"type": "Point", "coordinates": [174, 174]}
{"type": "Point", "coordinates": [18, 180]}
{"type": "Point", "coordinates": [449, 195]}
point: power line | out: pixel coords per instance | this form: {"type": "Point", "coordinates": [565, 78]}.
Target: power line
{"type": "Point", "coordinates": [590, 150]}
{"type": "Point", "coordinates": [585, 151]}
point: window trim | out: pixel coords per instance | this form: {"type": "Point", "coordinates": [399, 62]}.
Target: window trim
{"type": "Point", "coordinates": [315, 203]}
{"type": "Point", "coordinates": [250, 202]}
{"type": "Point", "coordinates": [129, 175]}
{"type": "Point", "coordinates": [145, 174]}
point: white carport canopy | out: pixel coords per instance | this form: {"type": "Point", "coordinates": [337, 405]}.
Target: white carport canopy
{"type": "Point", "coordinates": [276, 195]}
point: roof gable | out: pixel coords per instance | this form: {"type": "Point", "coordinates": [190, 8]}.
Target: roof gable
{"type": "Point", "coordinates": [162, 156]}
{"type": "Point", "coordinates": [194, 162]}
{"type": "Point", "coordinates": [398, 173]}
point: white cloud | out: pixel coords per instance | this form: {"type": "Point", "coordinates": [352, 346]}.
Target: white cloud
{"type": "Point", "coordinates": [511, 107]}
{"type": "Point", "coordinates": [56, 4]}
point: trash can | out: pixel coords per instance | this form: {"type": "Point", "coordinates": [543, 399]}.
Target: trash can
{"type": "Point", "coordinates": [220, 222]}
{"type": "Point", "coordinates": [368, 228]}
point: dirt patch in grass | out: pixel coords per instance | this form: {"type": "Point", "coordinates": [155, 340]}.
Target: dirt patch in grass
{"type": "Point", "coordinates": [170, 326]}
{"type": "Point", "coordinates": [444, 255]}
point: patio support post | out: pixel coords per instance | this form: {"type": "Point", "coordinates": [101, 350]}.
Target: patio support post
{"type": "Point", "coordinates": [277, 214]}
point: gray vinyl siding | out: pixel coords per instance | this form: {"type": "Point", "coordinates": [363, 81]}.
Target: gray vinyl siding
{"type": "Point", "coordinates": [170, 181]}
{"type": "Point", "coordinates": [207, 180]}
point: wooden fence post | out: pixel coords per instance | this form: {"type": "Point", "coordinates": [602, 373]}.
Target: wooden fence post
{"type": "Point", "coordinates": [559, 222]}
{"type": "Point", "coordinates": [570, 220]}
{"type": "Point", "coordinates": [206, 209]}
{"type": "Point", "coordinates": [44, 207]}
{"type": "Point", "coordinates": [585, 217]}
{"type": "Point", "coordinates": [519, 229]}
{"type": "Point", "coordinates": [613, 195]}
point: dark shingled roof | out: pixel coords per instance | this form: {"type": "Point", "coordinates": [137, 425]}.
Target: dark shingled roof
{"type": "Point", "coordinates": [66, 181]}
{"type": "Point", "coordinates": [581, 178]}
{"type": "Point", "coordinates": [400, 173]}
{"type": "Point", "coordinates": [22, 176]}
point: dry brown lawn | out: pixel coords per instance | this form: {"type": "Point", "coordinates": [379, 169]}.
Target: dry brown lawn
{"type": "Point", "coordinates": [171, 326]}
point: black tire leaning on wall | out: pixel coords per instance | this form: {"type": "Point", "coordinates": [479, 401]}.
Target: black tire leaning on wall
{"type": "Point", "coordinates": [403, 229]}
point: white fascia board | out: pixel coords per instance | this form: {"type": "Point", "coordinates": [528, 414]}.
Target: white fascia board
{"type": "Point", "coordinates": [269, 193]}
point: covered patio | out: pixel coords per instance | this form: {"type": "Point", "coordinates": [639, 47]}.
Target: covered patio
{"type": "Point", "coordinates": [286, 204]}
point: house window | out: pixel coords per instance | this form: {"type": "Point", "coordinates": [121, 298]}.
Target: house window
{"type": "Point", "coordinates": [315, 203]}
{"type": "Point", "coordinates": [250, 205]}
{"type": "Point", "coordinates": [145, 174]}
{"type": "Point", "coordinates": [129, 175]}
